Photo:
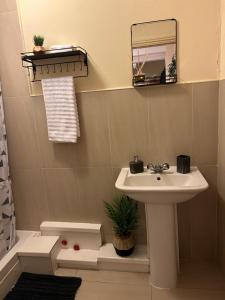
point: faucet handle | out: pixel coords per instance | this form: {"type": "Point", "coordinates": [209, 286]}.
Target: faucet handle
{"type": "Point", "coordinates": [165, 166]}
{"type": "Point", "coordinates": [159, 168]}
{"type": "Point", "coordinates": [150, 167]}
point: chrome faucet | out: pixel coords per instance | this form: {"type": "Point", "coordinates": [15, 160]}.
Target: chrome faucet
{"type": "Point", "coordinates": [159, 168]}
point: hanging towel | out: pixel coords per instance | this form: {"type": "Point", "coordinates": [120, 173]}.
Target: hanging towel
{"type": "Point", "coordinates": [61, 109]}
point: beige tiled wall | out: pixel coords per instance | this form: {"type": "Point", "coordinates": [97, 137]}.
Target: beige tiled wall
{"type": "Point", "coordinates": [66, 182]}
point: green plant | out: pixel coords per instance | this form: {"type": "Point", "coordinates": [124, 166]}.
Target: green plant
{"type": "Point", "coordinates": [172, 67]}
{"type": "Point", "coordinates": [38, 40]}
{"type": "Point", "coordinates": [123, 212]}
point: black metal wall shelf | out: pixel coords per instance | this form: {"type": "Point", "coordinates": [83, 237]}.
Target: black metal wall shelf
{"type": "Point", "coordinates": [54, 61]}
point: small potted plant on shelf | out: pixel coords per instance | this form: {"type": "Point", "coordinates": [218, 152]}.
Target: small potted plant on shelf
{"type": "Point", "coordinates": [123, 212]}
{"type": "Point", "coordinates": [38, 44]}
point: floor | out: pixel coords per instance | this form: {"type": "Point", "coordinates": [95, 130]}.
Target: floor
{"type": "Point", "coordinates": [197, 281]}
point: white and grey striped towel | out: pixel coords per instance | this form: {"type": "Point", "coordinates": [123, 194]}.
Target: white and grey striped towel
{"type": "Point", "coordinates": [61, 109]}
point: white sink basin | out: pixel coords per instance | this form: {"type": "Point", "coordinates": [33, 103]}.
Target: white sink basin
{"type": "Point", "coordinates": [161, 193]}
{"type": "Point", "coordinates": [167, 187]}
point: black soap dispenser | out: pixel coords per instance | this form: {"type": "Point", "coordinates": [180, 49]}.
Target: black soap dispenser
{"type": "Point", "coordinates": [136, 166]}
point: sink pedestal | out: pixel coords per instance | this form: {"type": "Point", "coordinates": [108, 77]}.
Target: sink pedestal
{"type": "Point", "coordinates": [162, 244]}
{"type": "Point", "coordinates": [161, 193]}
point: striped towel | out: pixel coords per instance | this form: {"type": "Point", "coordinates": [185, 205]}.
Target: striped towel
{"type": "Point", "coordinates": [61, 109]}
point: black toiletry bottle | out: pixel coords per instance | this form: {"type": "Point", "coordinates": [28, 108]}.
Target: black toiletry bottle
{"type": "Point", "coordinates": [136, 166]}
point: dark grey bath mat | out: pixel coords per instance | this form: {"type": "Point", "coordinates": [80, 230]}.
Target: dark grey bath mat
{"type": "Point", "coordinates": [44, 287]}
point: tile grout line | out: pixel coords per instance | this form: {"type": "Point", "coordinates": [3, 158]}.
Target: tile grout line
{"type": "Point", "coordinates": [106, 104]}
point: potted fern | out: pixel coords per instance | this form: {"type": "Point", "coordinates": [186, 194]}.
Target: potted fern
{"type": "Point", "coordinates": [38, 44]}
{"type": "Point", "coordinates": [123, 212]}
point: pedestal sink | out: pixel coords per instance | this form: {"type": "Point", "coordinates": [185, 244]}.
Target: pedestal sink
{"type": "Point", "coordinates": [161, 193]}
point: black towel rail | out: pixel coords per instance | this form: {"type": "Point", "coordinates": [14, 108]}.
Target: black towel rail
{"type": "Point", "coordinates": [56, 61]}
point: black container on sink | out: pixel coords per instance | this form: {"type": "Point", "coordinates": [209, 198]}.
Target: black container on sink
{"type": "Point", "coordinates": [183, 164]}
{"type": "Point", "coordinates": [136, 166]}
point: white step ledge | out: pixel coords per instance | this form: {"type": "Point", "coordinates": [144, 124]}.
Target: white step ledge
{"type": "Point", "coordinates": [83, 257]}
{"type": "Point", "coordinates": [69, 226]}
{"type": "Point", "coordinates": [87, 235]}
{"type": "Point", "coordinates": [40, 246]}
{"type": "Point", "coordinates": [105, 259]}
{"type": "Point", "coordinates": [107, 253]}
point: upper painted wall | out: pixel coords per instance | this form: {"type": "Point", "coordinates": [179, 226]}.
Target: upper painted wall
{"type": "Point", "coordinates": [103, 28]}
{"type": "Point", "coordinates": [222, 44]}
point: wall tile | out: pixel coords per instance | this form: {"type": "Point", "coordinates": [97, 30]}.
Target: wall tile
{"type": "Point", "coordinates": [127, 111]}
{"type": "Point", "coordinates": [205, 122]}
{"type": "Point", "coordinates": [184, 230]}
{"type": "Point", "coordinates": [204, 205]}
{"type": "Point", "coordinates": [11, 5]}
{"type": "Point", "coordinates": [221, 233]}
{"type": "Point", "coordinates": [22, 141]}
{"type": "Point", "coordinates": [141, 232]}
{"type": "Point", "coordinates": [13, 76]}
{"type": "Point", "coordinates": [221, 173]}
{"type": "Point", "coordinates": [62, 195]}
{"type": "Point", "coordinates": [197, 221]}
{"type": "Point", "coordinates": [203, 218]}
{"type": "Point", "coordinates": [3, 6]}
{"type": "Point", "coordinates": [54, 155]}
{"type": "Point", "coordinates": [220, 181]}
{"type": "Point", "coordinates": [170, 122]}
{"type": "Point", "coordinates": [95, 186]}
{"type": "Point", "coordinates": [221, 128]}
{"type": "Point", "coordinates": [29, 196]}
{"type": "Point", "coordinates": [7, 5]}
{"type": "Point", "coordinates": [202, 249]}
{"type": "Point", "coordinates": [93, 148]}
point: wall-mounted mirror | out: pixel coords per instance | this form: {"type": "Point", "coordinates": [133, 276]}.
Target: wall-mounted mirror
{"type": "Point", "coordinates": [154, 52]}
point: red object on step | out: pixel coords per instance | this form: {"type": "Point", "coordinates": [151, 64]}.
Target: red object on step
{"type": "Point", "coordinates": [64, 242]}
{"type": "Point", "coordinates": [76, 247]}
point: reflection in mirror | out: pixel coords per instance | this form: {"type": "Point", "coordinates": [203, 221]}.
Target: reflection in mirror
{"type": "Point", "coordinates": [154, 54]}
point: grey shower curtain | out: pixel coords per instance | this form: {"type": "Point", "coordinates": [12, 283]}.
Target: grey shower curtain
{"type": "Point", "coordinates": [7, 214]}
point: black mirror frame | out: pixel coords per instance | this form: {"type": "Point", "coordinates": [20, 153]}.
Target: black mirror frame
{"type": "Point", "coordinates": [147, 22]}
